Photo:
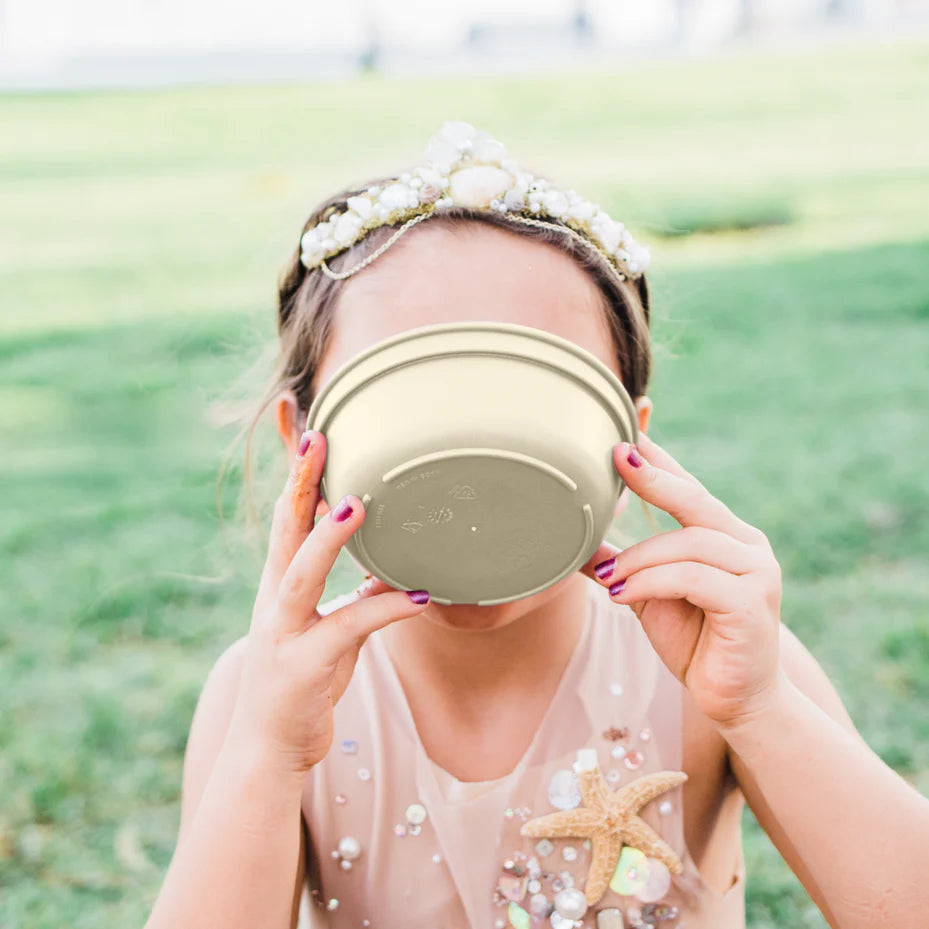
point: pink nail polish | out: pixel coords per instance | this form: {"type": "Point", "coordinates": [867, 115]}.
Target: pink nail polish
{"type": "Point", "coordinates": [342, 511]}
{"type": "Point", "coordinates": [306, 440]}
{"type": "Point", "coordinates": [618, 587]}
{"type": "Point", "coordinates": [634, 458]}
{"type": "Point", "coordinates": [605, 568]}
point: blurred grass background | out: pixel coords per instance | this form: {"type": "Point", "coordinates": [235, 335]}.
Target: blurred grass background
{"type": "Point", "coordinates": [141, 233]}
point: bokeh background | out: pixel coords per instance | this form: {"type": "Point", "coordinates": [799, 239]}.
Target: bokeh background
{"type": "Point", "coordinates": [156, 167]}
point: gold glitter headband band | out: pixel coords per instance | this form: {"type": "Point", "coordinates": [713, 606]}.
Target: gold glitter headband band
{"type": "Point", "coordinates": [467, 167]}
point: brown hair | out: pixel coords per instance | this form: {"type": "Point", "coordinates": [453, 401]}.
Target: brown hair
{"type": "Point", "coordinates": [307, 298]}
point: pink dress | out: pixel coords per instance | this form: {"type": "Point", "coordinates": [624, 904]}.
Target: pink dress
{"type": "Point", "coordinates": [397, 841]}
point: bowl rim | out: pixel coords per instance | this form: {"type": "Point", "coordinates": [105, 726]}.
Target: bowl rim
{"type": "Point", "coordinates": [479, 326]}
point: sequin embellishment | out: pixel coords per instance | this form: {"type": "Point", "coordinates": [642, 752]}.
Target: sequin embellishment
{"type": "Point", "coordinates": [563, 790]}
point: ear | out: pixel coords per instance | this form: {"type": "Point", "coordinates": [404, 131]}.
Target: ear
{"type": "Point", "coordinates": [286, 415]}
{"type": "Point", "coordinates": [643, 407]}
{"type": "Point", "coordinates": [290, 431]}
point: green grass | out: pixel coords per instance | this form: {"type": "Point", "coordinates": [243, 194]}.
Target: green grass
{"type": "Point", "coordinates": [140, 238]}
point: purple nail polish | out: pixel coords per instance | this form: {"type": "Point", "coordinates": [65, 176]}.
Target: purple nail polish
{"type": "Point", "coordinates": [342, 511]}
{"type": "Point", "coordinates": [634, 458]}
{"type": "Point", "coordinates": [618, 587]}
{"type": "Point", "coordinates": [605, 568]}
{"type": "Point", "coordinates": [418, 596]}
{"type": "Point", "coordinates": [306, 440]}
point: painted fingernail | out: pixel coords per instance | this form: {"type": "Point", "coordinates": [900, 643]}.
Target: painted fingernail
{"type": "Point", "coordinates": [342, 511]}
{"type": "Point", "coordinates": [634, 458]}
{"type": "Point", "coordinates": [418, 596]}
{"type": "Point", "coordinates": [617, 587]}
{"type": "Point", "coordinates": [605, 568]}
{"type": "Point", "coordinates": [306, 440]}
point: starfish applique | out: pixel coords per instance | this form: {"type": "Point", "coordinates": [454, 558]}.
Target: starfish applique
{"type": "Point", "coordinates": [610, 820]}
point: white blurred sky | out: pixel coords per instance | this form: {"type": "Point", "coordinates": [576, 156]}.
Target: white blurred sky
{"type": "Point", "coordinates": [42, 28]}
{"type": "Point", "coordinates": [37, 34]}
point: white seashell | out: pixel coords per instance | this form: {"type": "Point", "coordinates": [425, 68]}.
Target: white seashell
{"type": "Point", "coordinates": [556, 203]}
{"type": "Point", "coordinates": [514, 200]}
{"type": "Point", "coordinates": [430, 177]}
{"type": "Point", "coordinates": [640, 260]}
{"type": "Point", "coordinates": [609, 236]}
{"type": "Point", "coordinates": [582, 211]}
{"type": "Point", "coordinates": [361, 205]}
{"type": "Point", "coordinates": [429, 193]}
{"type": "Point", "coordinates": [478, 185]}
{"type": "Point", "coordinates": [310, 239]}
{"type": "Point", "coordinates": [488, 150]}
{"type": "Point", "coordinates": [564, 792]}
{"type": "Point", "coordinates": [347, 228]}
{"type": "Point", "coordinates": [442, 154]}
{"type": "Point", "coordinates": [396, 196]}
{"type": "Point", "coordinates": [455, 131]}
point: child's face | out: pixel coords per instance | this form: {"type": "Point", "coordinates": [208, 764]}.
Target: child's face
{"type": "Point", "coordinates": [433, 275]}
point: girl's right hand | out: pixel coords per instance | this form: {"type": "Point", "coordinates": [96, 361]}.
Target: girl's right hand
{"type": "Point", "coordinates": [297, 662]}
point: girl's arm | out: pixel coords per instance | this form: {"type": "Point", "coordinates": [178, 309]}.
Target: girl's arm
{"type": "Point", "coordinates": [853, 831]}
{"type": "Point", "coordinates": [240, 855]}
{"type": "Point", "coordinates": [265, 718]}
{"type": "Point", "coordinates": [708, 595]}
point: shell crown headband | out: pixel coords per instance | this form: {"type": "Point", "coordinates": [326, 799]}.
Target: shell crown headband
{"type": "Point", "coordinates": [464, 166]}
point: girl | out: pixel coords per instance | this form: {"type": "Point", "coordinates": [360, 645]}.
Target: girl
{"type": "Point", "coordinates": [576, 758]}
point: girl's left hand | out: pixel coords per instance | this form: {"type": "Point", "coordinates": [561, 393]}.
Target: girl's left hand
{"type": "Point", "coordinates": [708, 595]}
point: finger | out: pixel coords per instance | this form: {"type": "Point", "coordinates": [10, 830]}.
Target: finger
{"type": "Point", "coordinates": [370, 586]}
{"type": "Point", "coordinates": [693, 543]}
{"type": "Point", "coordinates": [352, 623]}
{"type": "Point", "coordinates": [294, 512]}
{"type": "Point", "coordinates": [702, 585]}
{"type": "Point", "coordinates": [304, 582]}
{"type": "Point", "coordinates": [660, 458]}
{"type": "Point", "coordinates": [604, 553]}
{"type": "Point", "coordinates": [688, 501]}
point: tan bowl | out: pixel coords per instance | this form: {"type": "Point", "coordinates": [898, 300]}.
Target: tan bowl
{"type": "Point", "coordinates": [483, 454]}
